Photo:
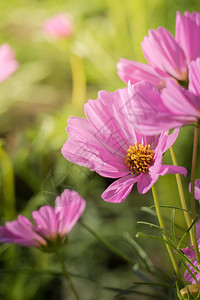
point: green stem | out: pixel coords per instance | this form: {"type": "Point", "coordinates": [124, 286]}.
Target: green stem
{"type": "Point", "coordinates": [193, 212]}
{"type": "Point", "coordinates": [78, 81]}
{"type": "Point", "coordinates": [181, 193]}
{"type": "Point", "coordinates": [162, 225]}
{"type": "Point", "coordinates": [66, 274]}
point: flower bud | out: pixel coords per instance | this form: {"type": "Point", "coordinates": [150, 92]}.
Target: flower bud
{"type": "Point", "coordinates": [191, 289]}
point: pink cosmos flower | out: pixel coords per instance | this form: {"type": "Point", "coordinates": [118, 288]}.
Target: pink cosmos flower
{"type": "Point", "coordinates": [59, 26]}
{"type": "Point", "coordinates": [167, 56]}
{"type": "Point", "coordinates": [107, 143]}
{"type": "Point", "coordinates": [189, 251]}
{"type": "Point", "coordinates": [171, 107]}
{"type": "Point", "coordinates": [8, 63]}
{"type": "Point", "coordinates": [52, 224]}
{"type": "Point", "coordinates": [196, 189]}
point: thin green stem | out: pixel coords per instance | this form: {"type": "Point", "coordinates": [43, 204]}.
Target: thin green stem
{"type": "Point", "coordinates": [78, 81]}
{"type": "Point", "coordinates": [162, 225]}
{"type": "Point", "coordinates": [181, 193]}
{"type": "Point", "coordinates": [193, 212]}
{"type": "Point", "coordinates": [66, 274]}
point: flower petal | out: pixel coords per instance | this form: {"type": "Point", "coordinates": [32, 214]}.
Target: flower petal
{"type": "Point", "coordinates": [119, 190]}
{"type": "Point", "coordinates": [21, 231]}
{"type": "Point", "coordinates": [70, 206]}
{"type": "Point", "coordinates": [168, 169]}
{"type": "Point", "coordinates": [91, 149]}
{"type": "Point", "coordinates": [148, 112]}
{"type": "Point", "coordinates": [188, 34]}
{"type": "Point", "coordinates": [135, 72]}
{"type": "Point", "coordinates": [8, 63]}
{"type": "Point", "coordinates": [196, 191]}
{"type": "Point", "coordinates": [47, 222]}
{"type": "Point", "coordinates": [181, 102]}
{"type": "Point", "coordinates": [194, 77]}
{"type": "Point", "coordinates": [162, 51]}
{"type": "Point", "coordinates": [146, 181]}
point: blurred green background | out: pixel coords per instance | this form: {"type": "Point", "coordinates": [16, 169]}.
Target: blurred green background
{"type": "Point", "coordinates": [54, 80]}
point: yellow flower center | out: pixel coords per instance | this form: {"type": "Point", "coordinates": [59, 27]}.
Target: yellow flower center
{"type": "Point", "coordinates": [139, 158]}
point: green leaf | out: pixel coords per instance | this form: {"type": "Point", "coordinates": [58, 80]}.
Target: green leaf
{"type": "Point", "coordinates": [139, 250]}
{"type": "Point", "coordinates": [173, 226]}
{"type": "Point", "coordinates": [108, 245]}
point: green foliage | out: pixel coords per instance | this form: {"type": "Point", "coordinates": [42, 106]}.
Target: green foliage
{"type": "Point", "coordinates": [53, 82]}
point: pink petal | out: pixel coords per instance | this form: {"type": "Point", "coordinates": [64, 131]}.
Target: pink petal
{"type": "Point", "coordinates": [47, 222]}
{"type": "Point", "coordinates": [70, 206]}
{"type": "Point", "coordinates": [92, 149]}
{"type": "Point", "coordinates": [194, 77]}
{"type": "Point", "coordinates": [167, 140]}
{"type": "Point", "coordinates": [188, 34]}
{"type": "Point", "coordinates": [59, 26]}
{"type": "Point", "coordinates": [163, 52]}
{"type": "Point", "coordinates": [148, 113]}
{"type": "Point", "coordinates": [146, 181]}
{"type": "Point", "coordinates": [135, 72]}
{"type": "Point", "coordinates": [120, 189]}
{"type": "Point", "coordinates": [21, 231]}
{"type": "Point", "coordinates": [8, 63]}
{"type": "Point", "coordinates": [196, 191]}
{"type": "Point", "coordinates": [181, 102]}
{"type": "Point", "coordinates": [168, 169]}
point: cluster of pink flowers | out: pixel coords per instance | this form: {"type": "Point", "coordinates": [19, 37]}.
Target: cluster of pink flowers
{"type": "Point", "coordinates": [126, 132]}
{"type": "Point", "coordinates": [52, 224]}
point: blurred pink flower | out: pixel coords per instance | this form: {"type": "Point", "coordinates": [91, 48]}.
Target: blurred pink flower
{"type": "Point", "coordinates": [107, 143]}
{"type": "Point", "coordinates": [189, 251]}
{"type": "Point", "coordinates": [196, 189]}
{"type": "Point", "coordinates": [8, 63]}
{"type": "Point", "coordinates": [59, 26]}
{"type": "Point", "coordinates": [167, 56]}
{"type": "Point", "coordinates": [52, 224]}
{"type": "Point", "coordinates": [171, 107]}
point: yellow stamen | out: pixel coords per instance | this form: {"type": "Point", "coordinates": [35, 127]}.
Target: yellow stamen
{"type": "Point", "coordinates": [139, 158]}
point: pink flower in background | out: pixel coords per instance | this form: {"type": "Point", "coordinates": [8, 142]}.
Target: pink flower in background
{"type": "Point", "coordinates": [107, 143]}
{"type": "Point", "coordinates": [167, 56]}
{"type": "Point", "coordinates": [196, 189]}
{"type": "Point", "coordinates": [59, 26]}
{"type": "Point", "coordinates": [52, 224]}
{"type": "Point", "coordinates": [171, 107]}
{"type": "Point", "coordinates": [8, 63]}
{"type": "Point", "coordinates": [189, 251]}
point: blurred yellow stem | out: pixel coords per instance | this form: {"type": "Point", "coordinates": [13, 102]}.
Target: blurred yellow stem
{"type": "Point", "coordinates": [78, 81]}
{"type": "Point", "coordinates": [194, 162]}
{"type": "Point", "coordinates": [181, 193]}
{"type": "Point", "coordinates": [7, 182]}
{"type": "Point", "coordinates": [162, 225]}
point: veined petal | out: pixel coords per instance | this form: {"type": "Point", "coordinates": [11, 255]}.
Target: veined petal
{"type": "Point", "coordinates": [196, 193]}
{"type": "Point", "coordinates": [168, 169]}
{"type": "Point", "coordinates": [135, 72]}
{"type": "Point", "coordinates": [146, 181]}
{"type": "Point", "coordinates": [162, 51]}
{"type": "Point", "coordinates": [149, 115]}
{"type": "Point", "coordinates": [47, 222]}
{"type": "Point", "coordinates": [120, 189]}
{"type": "Point", "coordinates": [89, 148]}
{"type": "Point", "coordinates": [70, 206]}
{"type": "Point", "coordinates": [180, 101]}
{"type": "Point", "coordinates": [188, 34]}
{"type": "Point", "coordinates": [21, 231]}
{"type": "Point", "coordinates": [194, 77]}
